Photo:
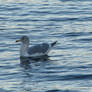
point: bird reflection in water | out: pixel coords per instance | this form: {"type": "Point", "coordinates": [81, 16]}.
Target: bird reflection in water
{"type": "Point", "coordinates": [26, 61]}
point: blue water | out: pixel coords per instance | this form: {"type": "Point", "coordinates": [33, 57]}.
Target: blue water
{"type": "Point", "coordinates": [69, 67]}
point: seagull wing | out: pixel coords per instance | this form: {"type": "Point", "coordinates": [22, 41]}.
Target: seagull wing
{"type": "Point", "coordinates": [39, 49]}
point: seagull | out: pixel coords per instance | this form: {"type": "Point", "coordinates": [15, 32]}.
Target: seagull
{"type": "Point", "coordinates": [35, 51]}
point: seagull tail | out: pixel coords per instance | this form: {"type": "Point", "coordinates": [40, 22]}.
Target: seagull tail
{"type": "Point", "coordinates": [54, 43]}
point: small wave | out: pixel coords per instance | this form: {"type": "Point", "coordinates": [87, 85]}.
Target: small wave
{"type": "Point", "coordinates": [85, 19]}
{"type": "Point", "coordinates": [75, 34]}
{"type": "Point", "coordinates": [74, 0]}
{"type": "Point", "coordinates": [63, 19]}
{"type": "Point", "coordinates": [78, 77]}
{"type": "Point", "coordinates": [57, 90]}
{"type": "Point", "coordinates": [83, 40]}
{"type": "Point", "coordinates": [7, 8]}
{"type": "Point", "coordinates": [81, 19]}
{"type": "Point", "coordinates": [71, 77]}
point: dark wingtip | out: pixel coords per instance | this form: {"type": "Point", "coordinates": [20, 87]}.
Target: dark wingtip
{"type": "Point", "coordinates": [52, 44]}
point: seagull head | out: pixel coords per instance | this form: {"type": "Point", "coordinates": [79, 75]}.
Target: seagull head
{"type": "Point", "coordinates": [23, 39]}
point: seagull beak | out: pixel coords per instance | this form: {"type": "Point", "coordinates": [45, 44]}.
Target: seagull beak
{"type": "Point", "coordinates": [18, 40]}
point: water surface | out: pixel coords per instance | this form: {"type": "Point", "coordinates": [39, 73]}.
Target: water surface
{"type": "Point", "coordinates": [69, 67]}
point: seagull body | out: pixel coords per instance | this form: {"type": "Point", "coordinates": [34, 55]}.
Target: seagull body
{"type": "Point", "coordinates": [33, 51]}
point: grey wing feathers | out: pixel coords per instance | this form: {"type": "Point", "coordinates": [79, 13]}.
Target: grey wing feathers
{"type": "Point", "coordinates": [40, 48]}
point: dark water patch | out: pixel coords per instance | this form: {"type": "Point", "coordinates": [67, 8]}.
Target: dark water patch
{"type": "Point", "coordinates": [8, 74]}
{"type": "Point", "coordinates": [49, 72]}
{"type": "Point", "coordinates": [4, 49]}
{"type": "Point", "coordinates": [68, 77]}
{"type": "Point", "coordinates": [78, 77]}
{"type": "Point", "coordinates": [81, 19]}
{"type": "Point", "coordinates": [63, 19]}
{"type": "Point", "coordinates": [56, 77]}
{"type": "Point", "coordinates": [2, 29]}
{"type": "Point", "coordinates": [37, 30]}
{"type": "Point", "coordinates": [67, 0]}
{"type": "Point", "coordinates": [75, 34]}
{"type": "Point", "coordinates": [12, 9]}
{"type": "Point", "coordinates": [82, 67]}
{"type": "Point", "coordinates": [23, 25]}
{"type": "Point", "coordinates": [4, 19]}
{"type": "Point", "coordinates": [24, 14]}
{"type": "Point", "coordinates": [41, 12]}
{"type": "Point", "coordinates": [74, 0]}
{"type": "Point", "coordinates": [57, 90]}
{"type": "Point", "coordinates": [56, 68]}
{"type": "Point", "coordinates": [83, 40]}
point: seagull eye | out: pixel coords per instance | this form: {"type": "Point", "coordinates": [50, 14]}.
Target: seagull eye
{"type": "Point", "coordinates": [23, 38]}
